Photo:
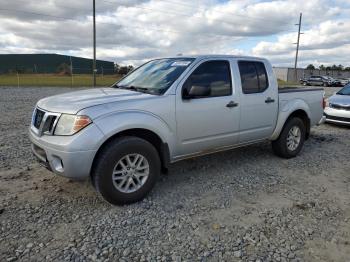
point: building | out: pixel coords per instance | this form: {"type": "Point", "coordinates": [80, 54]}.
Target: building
{"type": "Point", "coordinates": [288, 74]}
{"type": "Point", "coordinates": [51, 63]}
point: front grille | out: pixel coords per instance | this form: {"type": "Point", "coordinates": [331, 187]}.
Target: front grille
{"type": "Point", "coordinates": [337, 118]}
{"type": "Point", "coordinates": [38, 118]}
{"type": "Point", "coordinates": [49, 124]}
{"type": "Point", "coordinates": [44, 122]}
{"type": "Point", "coordinates": [340, 107]}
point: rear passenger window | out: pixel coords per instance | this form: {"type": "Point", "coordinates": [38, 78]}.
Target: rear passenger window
{"type": "Point", "coordinates": [253, 77]}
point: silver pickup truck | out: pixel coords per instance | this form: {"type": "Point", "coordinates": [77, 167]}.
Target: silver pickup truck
{"type": "Point", "coordinates": [167, 110]}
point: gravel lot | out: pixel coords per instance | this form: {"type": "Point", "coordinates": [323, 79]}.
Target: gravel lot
{"type": "Point", "coordinates": [245, 204]}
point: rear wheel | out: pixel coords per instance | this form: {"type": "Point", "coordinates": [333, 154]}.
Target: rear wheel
{"type": "Point", "coordinates": [126, 170]}
{"type": "Point", "coordinates": [291, 139]}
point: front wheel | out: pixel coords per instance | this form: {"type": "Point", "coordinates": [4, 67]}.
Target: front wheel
{"type": "Point", "coordinates": [126, 170]}
{"type": "Point", "coordinates": [291, 139]}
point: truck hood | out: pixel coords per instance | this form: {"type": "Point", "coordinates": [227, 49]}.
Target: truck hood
{"type": "Point", "coordinates": [73, 102]}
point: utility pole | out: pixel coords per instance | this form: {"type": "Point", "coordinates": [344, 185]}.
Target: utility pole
{"type": "Point", "coordinates": [94, 36]}
{"type": "Point", "coordinates": [71, 71]}
{"type": "Point", "coordinates": [297, 51]}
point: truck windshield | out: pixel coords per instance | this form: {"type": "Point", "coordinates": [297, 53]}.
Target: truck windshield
{"type": "Point", "coordinates": [156, 76]}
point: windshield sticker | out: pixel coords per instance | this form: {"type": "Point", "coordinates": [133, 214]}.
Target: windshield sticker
{"type": "Point", "coordinates": [181, 63]}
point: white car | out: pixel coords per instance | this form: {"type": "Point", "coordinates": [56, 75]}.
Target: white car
{"type": "Point", "coordinates": [338, 107]}
{"type": "Point", "coordinates": [344, 81]}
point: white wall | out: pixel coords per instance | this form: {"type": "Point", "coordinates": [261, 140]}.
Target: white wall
{"type": "Point", "coordinates": [288, 74]}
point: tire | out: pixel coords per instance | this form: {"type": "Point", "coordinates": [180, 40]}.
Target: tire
{"type": "Point", "coordinates": [304, 83]}
{"type": "Point", "coordinates": [280, 146]}
{"type": "Point", "coordinates": [115, 157]}
{"type": "Point", "coordinates": [325, 84]}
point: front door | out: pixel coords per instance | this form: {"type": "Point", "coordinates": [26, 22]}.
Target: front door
{"type": "Point", "coordinates": [207, 112]}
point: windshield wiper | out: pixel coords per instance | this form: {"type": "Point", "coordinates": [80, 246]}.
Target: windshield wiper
{"type": "Point", "coordinates": [134, 88]}
{"type": "Point", "coordinates": [151, 91]}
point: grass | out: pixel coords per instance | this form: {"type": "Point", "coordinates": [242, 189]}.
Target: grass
{"type": "Point", "coordinates": [282, 83]}
{"type": "Point", "coordinates": [55, 80]}
{"type": "Point", "coordinates": [76, 80]}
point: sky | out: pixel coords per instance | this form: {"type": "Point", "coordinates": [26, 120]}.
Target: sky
{"type": "Point", "coordinates": [133, 32]}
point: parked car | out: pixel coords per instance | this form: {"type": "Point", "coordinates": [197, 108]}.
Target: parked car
{"type": "Point", "coordinates": [317, 80]}
{"type": "Point", "coordinates": [165, 111]}
{"type": "Point", "coordinates": [344, 81]}
{"type": "Point", "coordinates": [333, 82]}
{"type": "Point", "coordinates": [338, 107]}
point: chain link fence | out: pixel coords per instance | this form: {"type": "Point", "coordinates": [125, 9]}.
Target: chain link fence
{"type": "Point", "coordinates": [63, 77]}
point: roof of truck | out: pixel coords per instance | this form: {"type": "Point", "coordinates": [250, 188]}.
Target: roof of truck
{"type": "Point", "coordinates": [220, 56]}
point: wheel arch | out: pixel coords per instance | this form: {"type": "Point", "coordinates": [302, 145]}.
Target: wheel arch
{"type": "Point", "coordinates": [304, 117]}
{"type": "Point", "coordinates": [298, 112]}
{"type": "Point", "coordinates": [146, 134]}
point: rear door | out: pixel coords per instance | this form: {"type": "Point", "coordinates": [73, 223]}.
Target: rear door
{"type": "Point", "coordinates": [316, 80]}
{"type": "Point", "coordinates": [208, 121]}
{"type": "Point", "coordinates": [258, 101]}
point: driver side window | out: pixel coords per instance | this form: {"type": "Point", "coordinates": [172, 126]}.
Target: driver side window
{"type": "Point", "coordinates": [210, 79]}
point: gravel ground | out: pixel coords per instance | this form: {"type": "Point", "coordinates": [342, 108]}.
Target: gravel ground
{"type": "Point", "coordinates": [245, 204]}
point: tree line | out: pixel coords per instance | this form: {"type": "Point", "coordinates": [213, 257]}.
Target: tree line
{"type": "Point", "coordinates": [123, 70]}
{"type": "Point", "coordinates": [333, 67]}
{"type": "Point", "coordinates": [65, 69]}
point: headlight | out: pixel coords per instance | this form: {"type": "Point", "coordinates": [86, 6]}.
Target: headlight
{"type": "Point", "coordinates": [70, 124]}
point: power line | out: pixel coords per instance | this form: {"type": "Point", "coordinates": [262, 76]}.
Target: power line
{"type": "Point", "coordinates": [192, 16]}
{"type": "Point", "coordinates": [115, 24]}
{"type": "Point", "coordinates": [234, 14]}
{"type": "Point", "coordinates": [60, 5]}
{"type": "Point", "coordinates": [35, 13]}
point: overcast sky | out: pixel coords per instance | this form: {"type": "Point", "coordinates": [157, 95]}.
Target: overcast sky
{"type": "Point", "coordinates": [135, 31]}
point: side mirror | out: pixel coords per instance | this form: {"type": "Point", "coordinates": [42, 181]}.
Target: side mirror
{"type": "Point", "coordinates": [191, 92]}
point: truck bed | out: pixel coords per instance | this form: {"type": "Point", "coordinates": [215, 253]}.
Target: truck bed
{"type": "Point", "coordinates": [311, 96]}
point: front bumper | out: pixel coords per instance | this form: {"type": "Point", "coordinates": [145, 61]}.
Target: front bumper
{"type": "Point", "coordinates": [337, 116]}
{"type": "Point", "coordinates": [322, 120]}
{"type": "Point", "coordinates": [69, 156]}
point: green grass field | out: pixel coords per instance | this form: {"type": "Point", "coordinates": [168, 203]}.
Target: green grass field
{"type": "Point", "coordinates": [282, 83]}
{"type": "Point", "coordinates": [65, 81]}
{"type": "Point", "coordinates": [55, 80]}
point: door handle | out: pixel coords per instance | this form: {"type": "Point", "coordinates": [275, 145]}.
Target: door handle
{"type": "Point", "coordinates": [232, 104]}
{"type": "Point", "coordinates": [269, 100]}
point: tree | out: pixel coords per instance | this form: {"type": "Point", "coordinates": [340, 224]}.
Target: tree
{"type": "Point", "coordinates": [311, 67]}
{"type": "Point", "coordinates": [130, 68]}
{"type": "Point", "coordinates": [63, 69]}
{"type": "Point", "coordinates": [123, 70]}
{"type": "Point", "coordinates": [322, 67]}
{"type": "Point", "coordinates": [337, 67]}
{"type": "Point", "coordinates": [116, 68]}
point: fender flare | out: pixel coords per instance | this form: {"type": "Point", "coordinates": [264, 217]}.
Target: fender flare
{"type": "Point", "coordinates": [119, 122]}
{"type": "Point", "coordinates": [286, 110]}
